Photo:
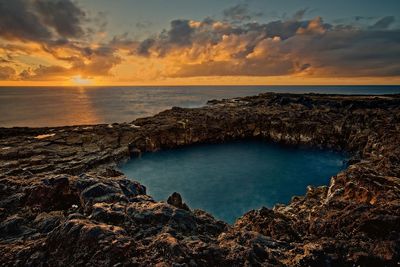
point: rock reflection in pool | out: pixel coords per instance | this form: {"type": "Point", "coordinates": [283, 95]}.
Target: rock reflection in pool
{"type": "Point", "coordinates": [231, 178]}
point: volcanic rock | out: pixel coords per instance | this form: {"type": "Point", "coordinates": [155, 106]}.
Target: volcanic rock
{"type": "Point", "coordinates": [63, 201]}
{"type": "Point", "coordinates": [176, 200]}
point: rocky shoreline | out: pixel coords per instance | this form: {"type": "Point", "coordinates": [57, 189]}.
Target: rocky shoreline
{"type": "Point", "coordinates": [64, 203]}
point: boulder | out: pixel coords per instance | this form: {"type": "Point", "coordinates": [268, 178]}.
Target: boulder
{"type": "Point", "coordinates": [176, 200]}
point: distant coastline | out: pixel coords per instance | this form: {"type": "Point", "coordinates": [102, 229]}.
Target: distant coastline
{"type": "Point", "coordinates": [59, 106]}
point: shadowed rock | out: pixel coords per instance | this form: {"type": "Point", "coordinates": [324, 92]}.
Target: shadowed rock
{"type": "Point", "coordinates": [176, 200]}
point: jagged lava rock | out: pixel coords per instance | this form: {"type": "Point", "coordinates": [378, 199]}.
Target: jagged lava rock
{"type": "Point", "coordinates": [64, 203]}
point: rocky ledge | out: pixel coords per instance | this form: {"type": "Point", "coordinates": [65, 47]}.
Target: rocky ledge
{"type": "Point", "coordinates": [64, 203]}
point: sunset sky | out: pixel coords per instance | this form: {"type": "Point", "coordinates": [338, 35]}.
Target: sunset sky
{"type": "Point", "coordinates": [178, 42]}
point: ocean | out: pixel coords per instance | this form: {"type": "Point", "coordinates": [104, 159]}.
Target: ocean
{"type": "Point", "coordinates": [59, 106]}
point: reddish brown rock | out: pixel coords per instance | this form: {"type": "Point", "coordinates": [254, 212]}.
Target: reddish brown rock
{"type": "Point", "coordinates": [64, 203]}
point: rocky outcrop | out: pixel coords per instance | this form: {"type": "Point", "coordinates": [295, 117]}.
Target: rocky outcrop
{"type": "Point", "coordinates": [176, 200]}
{"type": "Point", "coordinates": [63, 201]}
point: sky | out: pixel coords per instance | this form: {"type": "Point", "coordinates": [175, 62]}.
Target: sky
{"type": "Point", "coordinates": [188, 42]}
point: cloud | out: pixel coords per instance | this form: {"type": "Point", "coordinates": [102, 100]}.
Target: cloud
{"type": "Point", "coordinates": [187, 33]}
{"type": "Point", "coordinates": [62, 15]}
{"type": "Point", "coordinates": [44, 73]}
{"type": "Point", "coordinates": [40, 20]}
{"type": "Point", "coordinates": [99, 63]}
{"type": "Point", "coordinates": [143, 24]}
{"type": "Point", "coordinates": [282, 47]}
{"type": "Point", "coordinates": [57, 28]}
{"type": "Point", "coordinates": [349, 53]}
{"type": "Point", "coordinates": [7, 73]}
{"type": "Point", "coordinates": [18, 20]}
{"type": "Point", "coordinates": [299, 15]}
{"type": "Point", "coordinates": [238, 12]}
{"type": "Point", "coordinates": [144, 47]}
{"type": "Point", "coordinates": [315, 26]}
{"type": "Point", "coordinates": [383, 23]}
{"type": "Point", "coordinates": [180, 32]}
{"type": "Point", "coordinates": [4, 60]}
{"type": "Point", "coordinates": [231, 46]}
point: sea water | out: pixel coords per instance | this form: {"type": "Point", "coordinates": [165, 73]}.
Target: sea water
{"type": "Point", "coordinates": [59, 106]}
{"type": "Point", "coordinates": [230, 179]}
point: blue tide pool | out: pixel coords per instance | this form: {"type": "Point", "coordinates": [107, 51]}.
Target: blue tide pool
{"type": "Point", "coordinates": [230, 179]}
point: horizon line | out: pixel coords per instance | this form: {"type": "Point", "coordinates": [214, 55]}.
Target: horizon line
{"type": "Point", "coordinates": [201, 85]}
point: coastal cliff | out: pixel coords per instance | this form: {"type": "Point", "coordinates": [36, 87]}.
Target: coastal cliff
{"type": "Point", "coordinates": [63, 201]}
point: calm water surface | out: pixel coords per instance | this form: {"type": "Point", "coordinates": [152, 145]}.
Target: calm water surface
{"type": "Point", "coordinates": [58, 106]}
{"type": "Point", "coordinates": [229, 179]}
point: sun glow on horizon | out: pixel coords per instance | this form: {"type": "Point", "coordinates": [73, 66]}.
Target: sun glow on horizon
{"type": "Point", "coordinates": [78, 80]}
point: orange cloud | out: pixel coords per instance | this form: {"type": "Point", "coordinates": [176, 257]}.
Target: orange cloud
{"type": "Point", "coordinates": [46, 44]}
{"type": "Point", "coordinates": [301, 48]}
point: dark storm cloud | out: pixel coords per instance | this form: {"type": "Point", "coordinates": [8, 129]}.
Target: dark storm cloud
{"type": "Point", "coordinates": [62, 15]}
{"type": "Point", "coordinates": [144, 46]}
{"type": "Point", "coordinates": [18, 20]}
{"type": "Point", "coordinates": [40, 20]}
{"type": "Point", "coordinates": [383, 23]}
{"type": "Point", "coordinates": [180, 32]}
{"type": "Point", "coordinates": [350, 53]}
{"type": "Point", "coordinates": [283, 29]}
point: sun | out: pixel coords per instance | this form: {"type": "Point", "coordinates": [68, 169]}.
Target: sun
{"type": "Point", "coordinates": [78, 80]}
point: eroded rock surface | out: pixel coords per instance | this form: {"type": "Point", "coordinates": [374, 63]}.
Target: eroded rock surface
{"type": "Point", "coordinates": [64, 203]}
